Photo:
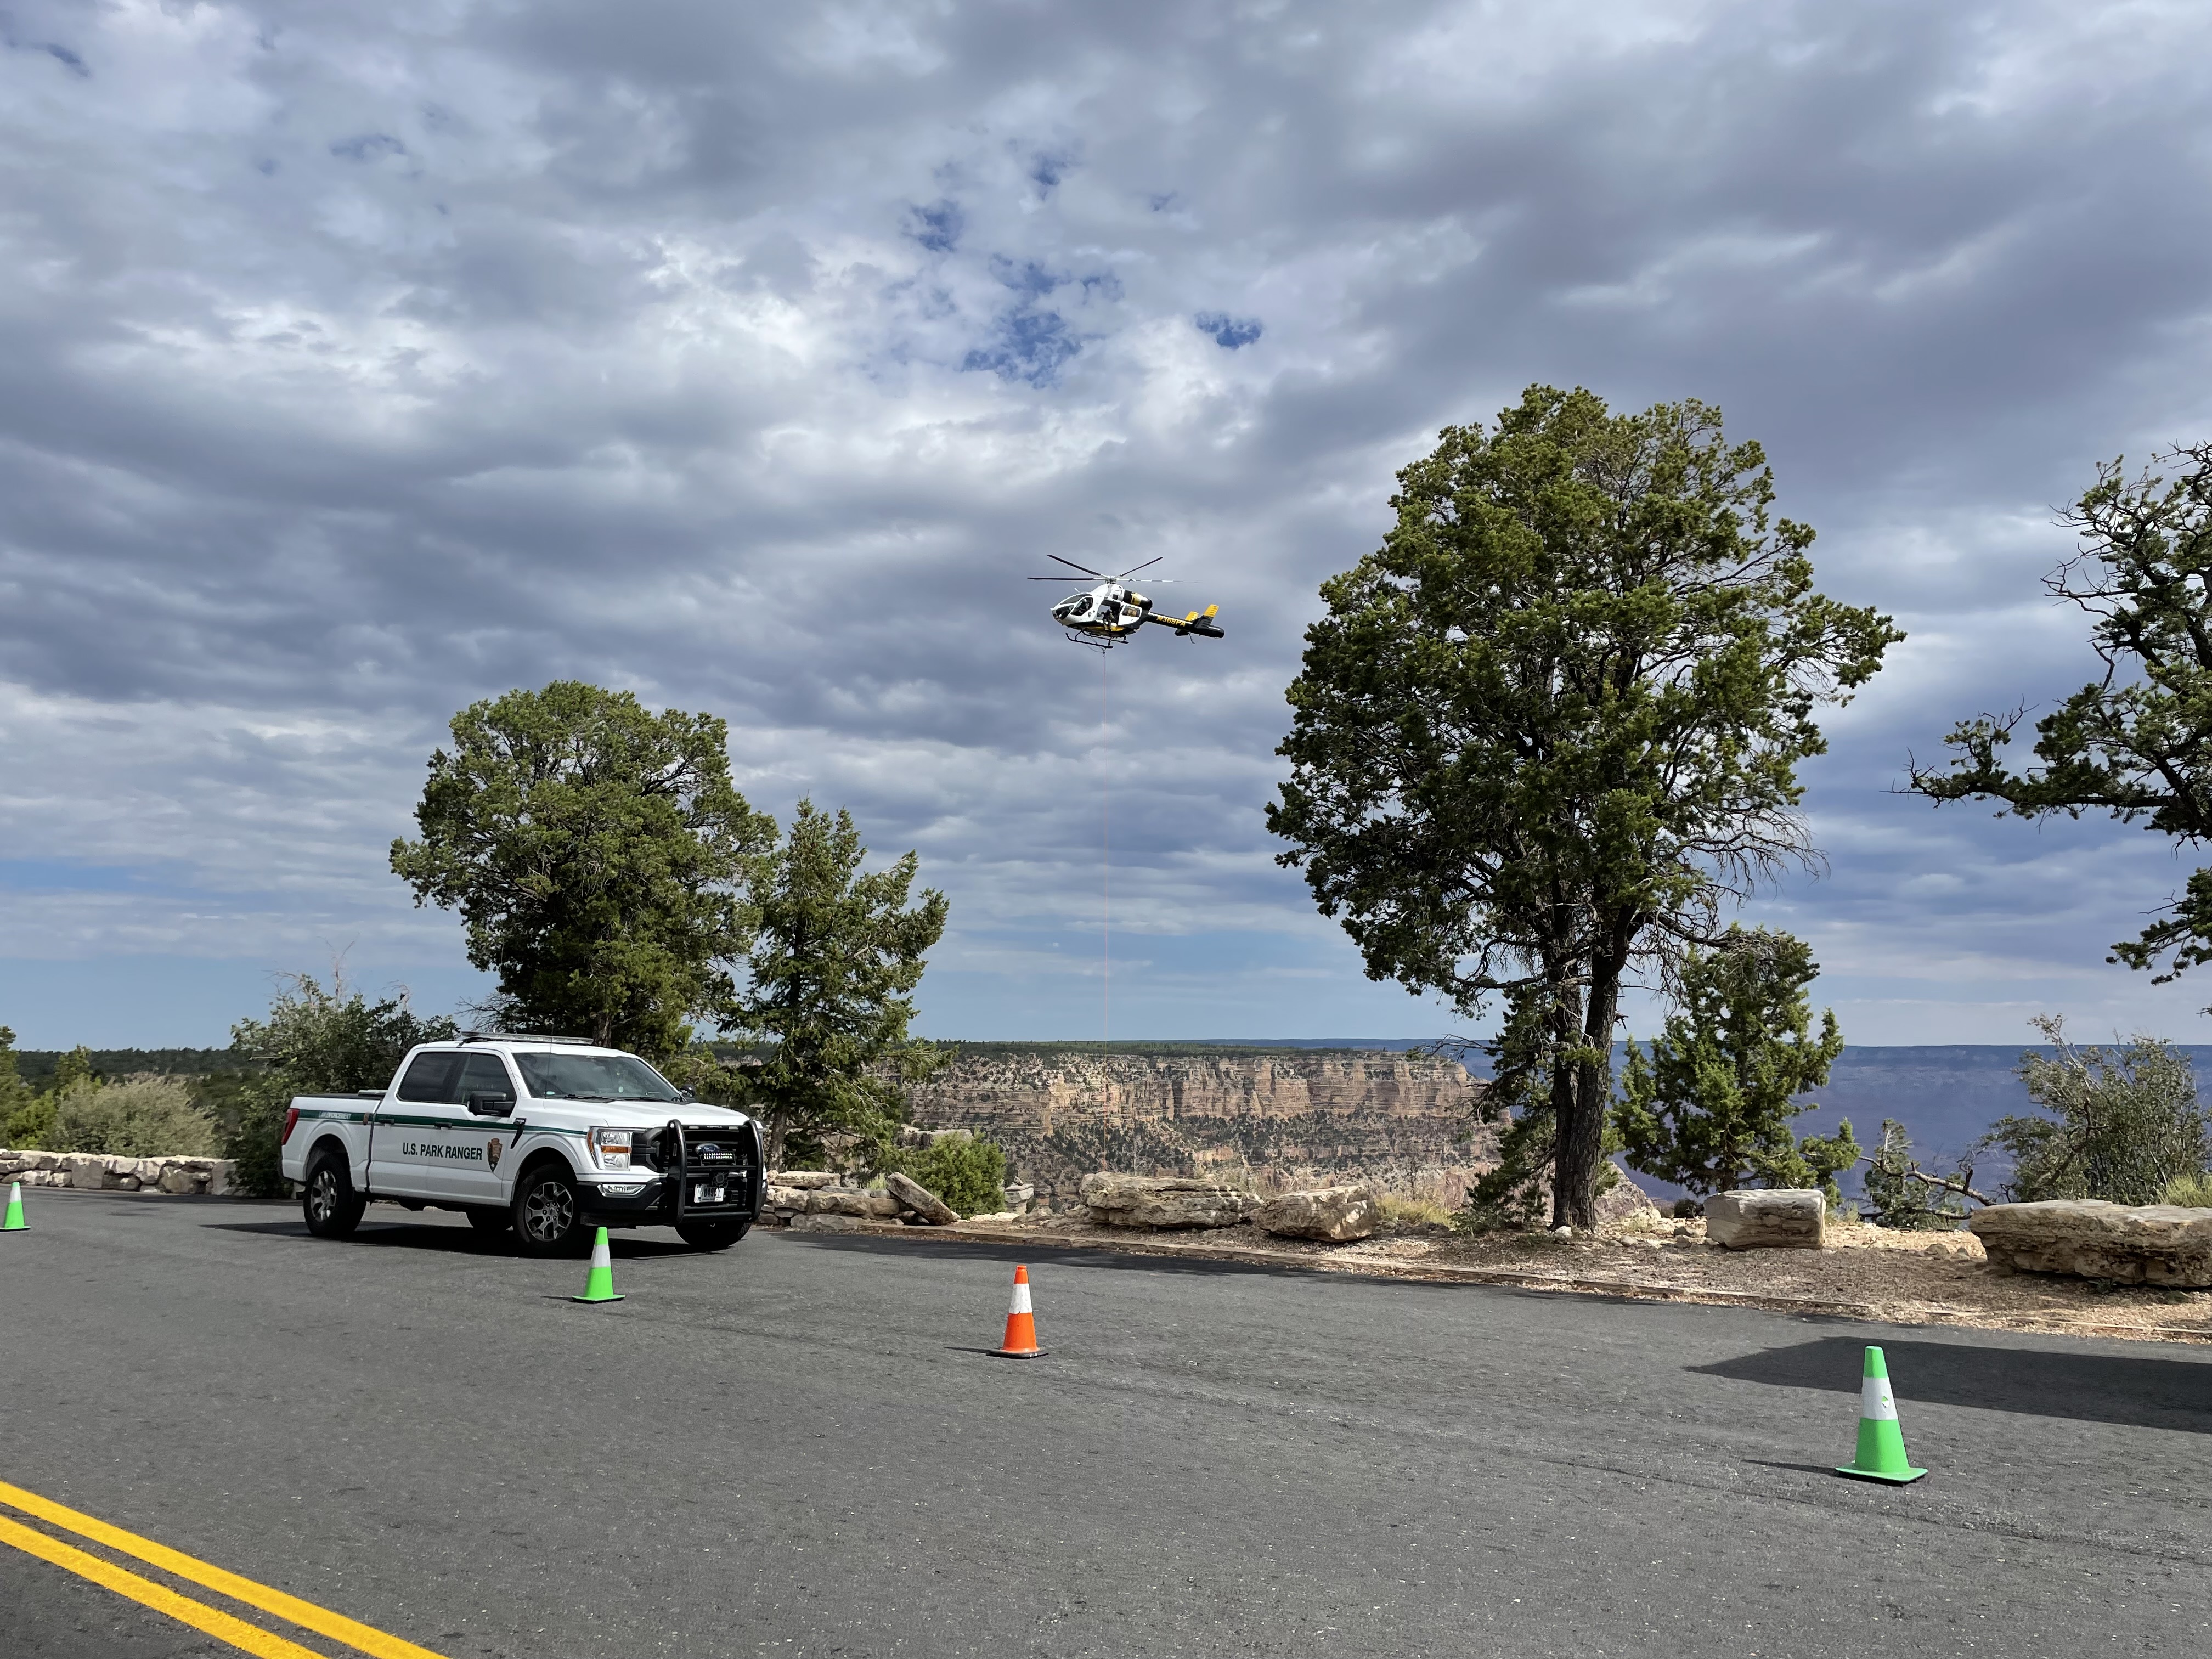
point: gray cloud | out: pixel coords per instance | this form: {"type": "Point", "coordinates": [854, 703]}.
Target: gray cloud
{"type": "Point", "coordinates": [355, 365]}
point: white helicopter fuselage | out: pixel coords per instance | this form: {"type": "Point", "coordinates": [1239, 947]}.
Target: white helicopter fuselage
{"type": "Point", "coordinates": [1109, 611]}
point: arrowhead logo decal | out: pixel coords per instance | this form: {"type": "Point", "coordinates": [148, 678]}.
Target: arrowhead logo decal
{"type": "Point", "coordinates": [492, 1151]}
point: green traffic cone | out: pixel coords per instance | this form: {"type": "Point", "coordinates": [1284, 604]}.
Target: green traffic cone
{"type": "Point", "coordinates": [15, 1223]}
{"type": "Point", "coordinates": [1882, 1442]}
{"type": "Point", "coordinates": [600, 1287]}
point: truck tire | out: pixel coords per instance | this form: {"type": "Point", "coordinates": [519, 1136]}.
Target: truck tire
{"type": "Point", "coordinates": [490, 1221]}
{"type": "Point", "coordinates": [712, 1235]}
{"type": "Point", "coordinates": [329, 1202]}
{"type": "Point", "coordinates": [548, 1212]}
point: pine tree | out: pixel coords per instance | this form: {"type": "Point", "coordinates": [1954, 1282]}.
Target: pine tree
{"type": "Point", "coordinates": [836, 958]}
{"type": "Point", "coordinates": [1712, 1105]}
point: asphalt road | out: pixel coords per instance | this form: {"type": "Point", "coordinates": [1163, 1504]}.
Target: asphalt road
{"type": "Point", "coordinates": [797, 1449]}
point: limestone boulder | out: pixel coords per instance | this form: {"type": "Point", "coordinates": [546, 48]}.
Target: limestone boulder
{"type": "Point", "coordinates": [867, 1207]}
{"type": "Point", "coordinates": [178, 1179]}
{"type": "Point", "coordinates": [88, 1172]}
{"type": "Point", "coordinates": [1624, 1201]}
{"type": "Point", "coordinates": [804, 1180]}
{"type": "Point", "coordinates": [1120, 1201]}
{"type": "Point", "coordinates": [1331, 1214]}
{"type": "Point", "coordinates": [829, 1223]}
{"type": "Point", "coordinates": [906, 1190]}
{"type": "Point", "coordinates": [2128, 1243]}
{"type": "Point", "coordinates": [1780, 1219]}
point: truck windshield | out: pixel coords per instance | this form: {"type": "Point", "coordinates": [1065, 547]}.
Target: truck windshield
{"type": "Point", "coordinates": [592, 1077]}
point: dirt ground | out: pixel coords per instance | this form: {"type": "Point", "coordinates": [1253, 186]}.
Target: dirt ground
{"type": "Point", "coordinates": [1909, 1278]}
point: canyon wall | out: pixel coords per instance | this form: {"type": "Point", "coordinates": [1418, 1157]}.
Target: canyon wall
{"type": "Point", "coordinates": [1270, 1118]}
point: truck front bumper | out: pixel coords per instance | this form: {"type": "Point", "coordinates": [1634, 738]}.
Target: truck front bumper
{"type": "Point", "coordinates": [734, 1197]}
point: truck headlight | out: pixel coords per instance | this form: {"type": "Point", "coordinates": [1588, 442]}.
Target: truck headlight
{"type": "Point", "coordinates": [610, 1148]}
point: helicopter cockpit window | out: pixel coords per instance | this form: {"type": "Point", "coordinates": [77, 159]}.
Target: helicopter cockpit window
{"type": "Point", "coordinates": [1081, 607]}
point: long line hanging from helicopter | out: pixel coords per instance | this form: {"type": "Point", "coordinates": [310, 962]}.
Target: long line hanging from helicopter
{"type": "Point", "coordinates": [1103, 617]}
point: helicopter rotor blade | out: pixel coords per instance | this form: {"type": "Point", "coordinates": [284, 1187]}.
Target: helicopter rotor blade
{"type": "Point", "coordinates": [1071, 565]}
{"type": "Point", "coordinates": [1131, 571]}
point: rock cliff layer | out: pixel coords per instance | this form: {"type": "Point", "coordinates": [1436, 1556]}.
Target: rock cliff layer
{"type": "Point", "coordinates": [1264, 1117]}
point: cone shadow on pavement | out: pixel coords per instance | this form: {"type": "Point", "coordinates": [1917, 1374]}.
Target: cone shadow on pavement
{"type": "Point", "coordinates": [1880, 1453]}
{"type": "Point", "coordinates": [1021, 1341]}
{"type": "Point", "coordinates": [599, 1287]}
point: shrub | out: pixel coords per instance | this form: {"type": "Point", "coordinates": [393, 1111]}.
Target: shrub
{"type": "Point", "coordinates": [2121, 1123]}
{"type": "Point", "coordinates": [969, 1174]}
{"type": "Point", "coordinates": [314, 1041]}
{"type": "Point", "coordinates": [2191, 1192]}
{"type": "Point", "coordinates": [143, 1117]}
{"type": "Point", "coordinates": [16, 1101]}
{"type": "Point", "coordinates": [1896, 1195]}
{"type": "Point", "coordinates": [31, 1125]}
{"type": "Point", "coordinates": [1399, 1210]}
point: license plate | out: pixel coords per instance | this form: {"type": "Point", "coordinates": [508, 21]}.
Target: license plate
{"type": "Point", "coordinates": [703, 1194]}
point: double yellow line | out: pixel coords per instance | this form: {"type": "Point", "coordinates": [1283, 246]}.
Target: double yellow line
{"type": "Point", "coordinates": [250, 1639]}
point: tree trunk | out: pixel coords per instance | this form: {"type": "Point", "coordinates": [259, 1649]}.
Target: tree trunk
{"type": "Point", "coordinates": [1566, 1023]}
{"type": "Point", "coordinates": [1580, 1146]}
{"type": "Point", "coordinates": [779, 1120]}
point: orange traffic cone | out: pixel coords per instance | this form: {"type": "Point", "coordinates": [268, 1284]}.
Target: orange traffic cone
{"type": "Point", "coordinates": [1021, 1323]}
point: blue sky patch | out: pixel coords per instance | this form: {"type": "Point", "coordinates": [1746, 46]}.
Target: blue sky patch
{"type": "Point", "coordinates": [66, 876]}
{"type": "Point", "coordinates": [1230, 333]}
{"type": "Point", "coordinates": [938, 227]}
{"type": "Point", "coordinates": [368, 146]}
{"type": "Point", "coordinates": [1028, 345]}
{"type": "Point", "coordinates": [1026, 276]}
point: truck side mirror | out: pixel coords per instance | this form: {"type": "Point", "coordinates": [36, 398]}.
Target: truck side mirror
{"type": "Point", "coordinates": [490, 1105]}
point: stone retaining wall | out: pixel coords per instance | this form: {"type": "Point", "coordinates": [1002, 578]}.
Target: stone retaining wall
{"type": "Point", "coordinates": [103, 1172]}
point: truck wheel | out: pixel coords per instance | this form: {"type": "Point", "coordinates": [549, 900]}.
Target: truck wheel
{"type": "Point", "coordinates": [490, 1221]}
{"type": "Point", "coordinates": [548, 1212]}
{"type": "Point", "coordinates": [712, 1235]}
{"type": "Point", "coordinates": [332, 1207]}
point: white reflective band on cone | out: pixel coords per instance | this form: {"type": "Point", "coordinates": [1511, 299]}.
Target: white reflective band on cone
{"type": "Point", "coordinates": [1021, 1299]}
{"type": "Point", "coordinates": [600, 1258]}
{"type": "Point", "coordinates": [1876, 1400]}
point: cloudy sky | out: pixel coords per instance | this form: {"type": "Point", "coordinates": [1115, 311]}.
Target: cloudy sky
{"type": "Point", "coordinates": [357, 362]}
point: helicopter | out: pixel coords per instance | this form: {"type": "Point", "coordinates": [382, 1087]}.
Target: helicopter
{"type": "Point", "coordinates": [1113, 611]}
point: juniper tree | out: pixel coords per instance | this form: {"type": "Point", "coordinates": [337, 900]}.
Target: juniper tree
{"type": "Point", "coordinates": [1553, 725]}
{"type": "Point", "coordinates": [2135, 742]}
{"type": "Point", "coordinates": [599, 856]}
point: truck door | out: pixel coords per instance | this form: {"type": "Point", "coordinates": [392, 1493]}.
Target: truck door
{"type": "Point", "coordinates": [408, 1149]}
{"type": "Point", "coordinates": [475, 1164]}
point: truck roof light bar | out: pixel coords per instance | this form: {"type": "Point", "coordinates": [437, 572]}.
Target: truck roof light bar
{"type": "Point", "coordinates": [526, 1036]}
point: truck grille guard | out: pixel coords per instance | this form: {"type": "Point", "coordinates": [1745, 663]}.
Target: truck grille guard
{"type": "Point", "coordinates": [750, 1172]}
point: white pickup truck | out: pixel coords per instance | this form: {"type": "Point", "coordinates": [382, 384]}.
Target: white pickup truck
{"type": "Point", "coordinates": [550, 1136]}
